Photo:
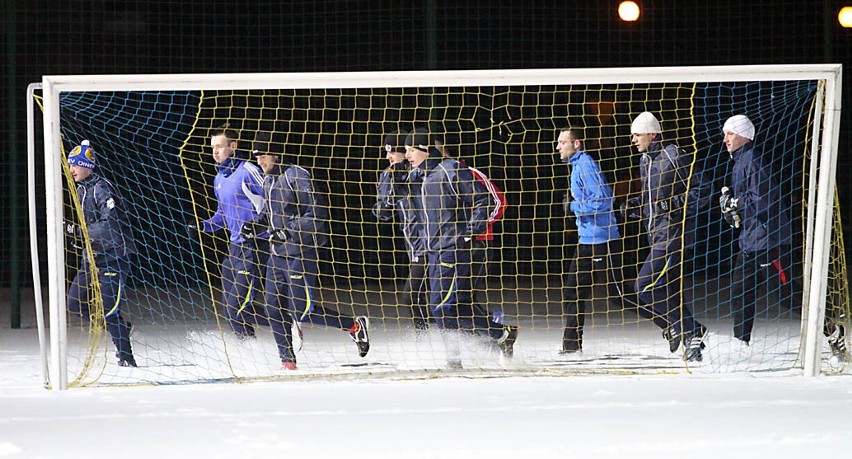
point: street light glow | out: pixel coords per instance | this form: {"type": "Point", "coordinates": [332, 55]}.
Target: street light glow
{"type": "Point", "coordinates": [844, 17]}
{"type": "Point", "coordinates": [628, 11]}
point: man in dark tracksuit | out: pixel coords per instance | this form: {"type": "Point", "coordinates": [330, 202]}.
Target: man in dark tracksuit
{"type": "Point", "coordinates": [454, 208]}
{"type": "Point", "coordinates": [294, 217]}
{"type": "Point", "coordinates": [753, 205]}
{"type": "Point", "coordinates": [394, 198]}
{"type": "Point", "coordinates": [111, 243]}
{"type": "Point", "coordinates": [666, 201]}
{"type": "Point", "coordinates": [239, 197]}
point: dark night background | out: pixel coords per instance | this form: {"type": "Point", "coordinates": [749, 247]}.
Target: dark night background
{"type": "Point", "coordinates": [43, 37]}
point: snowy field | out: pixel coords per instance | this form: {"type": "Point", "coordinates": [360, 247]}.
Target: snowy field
{"type": "Point", "coordinates": [703, 413]}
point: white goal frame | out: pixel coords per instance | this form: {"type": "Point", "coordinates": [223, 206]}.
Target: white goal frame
{"type": "Point", "coordinates": [820, 199]}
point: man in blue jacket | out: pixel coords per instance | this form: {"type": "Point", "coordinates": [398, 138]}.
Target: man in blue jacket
{"type": "Point", "coordinates": [753, 204]}
{"type": "Point", "coordinates": [239, 196]}
{"type": "Point", "coordinates": [599, 251]}
{"type": "Point", "coordinates": [294, 218]}
{"type": "Point", "coordinates": [394, 197]}
{"type": "Point", "coordinates": [668, 201]}
{"type": "Point", "coordinates": [111, 243]}
{"type": "Point", "coordinates": [454, 207]}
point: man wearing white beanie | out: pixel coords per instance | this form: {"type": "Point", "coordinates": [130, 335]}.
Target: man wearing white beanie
{"type": "Point", "coordinates": [667, 202]}
{"type": "Point", "coordinates": [753, 204]}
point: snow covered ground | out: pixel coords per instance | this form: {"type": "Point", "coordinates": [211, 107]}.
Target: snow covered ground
{"type": "Point", "coordinates": [696, 415]}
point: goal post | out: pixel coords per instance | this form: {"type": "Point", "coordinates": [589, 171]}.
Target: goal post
{"type": "Point", "coordinates": [502, 121]}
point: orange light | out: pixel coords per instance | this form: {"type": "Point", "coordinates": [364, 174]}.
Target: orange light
{"type": "Point", "coordinates": [628, 11]}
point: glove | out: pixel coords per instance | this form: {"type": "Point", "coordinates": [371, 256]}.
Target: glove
{"type": "Point", "coordinates": [250, 230]}
{"type": "Point", "coordinates": [631, 209]}
{"type": "Point", "coordinates": [73, 230]}
{"type": "Point", "coordinates": [192, 229]}
{"type": "Point", "coordinates": [464, 242]}
{"type": "Point", "coordinates": [566, 203]}
{"type": "Point", "coordinates": [279, 236]}
{"type": "Point", "coordinates": [75, 233]}
{"type": "Point", "coordinates": [663, 206]}
{"type": "Point", "coordinates": [730, 207]}
{"type": "Point", "coordinates": [398, 172]}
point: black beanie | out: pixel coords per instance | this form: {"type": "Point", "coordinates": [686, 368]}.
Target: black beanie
{"type": "Point", "coordinates": [395, 142]}
{"type": "Point", "coordinates": [420, 140]}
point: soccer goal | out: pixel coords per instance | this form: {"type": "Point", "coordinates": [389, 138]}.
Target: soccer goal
{"type": "Point", "coordinates": [151, 137]}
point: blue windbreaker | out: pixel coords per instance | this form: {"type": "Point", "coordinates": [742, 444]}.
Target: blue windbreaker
{"type": "Point", "coordinates": [239, 195]}
{"type": "Point", "coordinates": [591, 201]}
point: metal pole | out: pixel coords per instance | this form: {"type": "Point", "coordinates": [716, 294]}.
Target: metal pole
{"type": "Point", "coordinates": [31, 193]}
{"type": "Point", "coordinates": [12, 145]}
{"type": "Point", "coordinates": [431, 36]}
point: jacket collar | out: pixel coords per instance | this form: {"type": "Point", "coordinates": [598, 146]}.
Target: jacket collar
{"type": "Point", "coordinates": [736, 154]}
{"type": "Point", "coordinates": [228, 166]}
{"type": "Point", "coordinates": [575, 157]}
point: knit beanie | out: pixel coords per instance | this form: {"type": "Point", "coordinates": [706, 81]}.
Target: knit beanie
{"type": "Point", "coordinates": [740, 125]}
{"type": "Point", "coordinates": [645, 123]}
{"type": "Point", "coordinates": [82, 155]}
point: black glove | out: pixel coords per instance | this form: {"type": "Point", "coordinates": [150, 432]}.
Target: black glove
{"type": "Point", "coordinates": [250, 230]}
{"type": "Point", "coordinates": [465, 242]}
{"type": "Point", "coordinates": [279, 235]}
{"type": "Point", "coordinates": [566, 203]}
{"type": "Point", "coordinates": [730, 207]}
{"type": "Point", "coordinates": [192, 229]}
{"type": "Point", "coordinates": [631, 209]}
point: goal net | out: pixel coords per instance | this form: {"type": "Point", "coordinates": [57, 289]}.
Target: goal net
{"type": "Point", "coordinates": [153, 135]}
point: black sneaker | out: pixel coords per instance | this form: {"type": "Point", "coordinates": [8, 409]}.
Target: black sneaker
{"type": "Point", "coordinates": [507, 341]}
{"type": "Point", "coordinates": [127, 361]}
{"type": "Point", "coordinates": [248, 336]}
{"type": "Point", "coordinates": [420, 325]}
{"type": "Point", "coordinates": [672, 337]}
{"type": "Point", "coordinates": [693, 343]}
{"type": "Point", "coordinates": [361, 335]}
{"type": "Point", "coordinates": [837, 342]}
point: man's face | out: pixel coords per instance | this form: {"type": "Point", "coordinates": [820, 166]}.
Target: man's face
{"type": "Point", "coordinates": [734, 142]}
{"type": "Point", "coordinates": [642, 141]}
{"type": "Point", "coordinates": [267, 162]}
{"type": "Point", "coordinates": [80, 173]}
{"type": "Point", "coordinates": [223, 147]}
{"type": "Point", "coordinates": [394, 157]}
{"type": "Point", "coordinates": [566, 146]}
{"type": "Point", "coordinates": [414, 156]}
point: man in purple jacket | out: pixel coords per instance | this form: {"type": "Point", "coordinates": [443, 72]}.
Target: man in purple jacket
{"type": "Point", "coordinates": [239, 193]}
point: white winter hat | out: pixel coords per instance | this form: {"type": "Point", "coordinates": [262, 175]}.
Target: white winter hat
{"type": "Point", "coordinates": [645, 123]}
{"type": "Point", "coordinates": [739, 125]}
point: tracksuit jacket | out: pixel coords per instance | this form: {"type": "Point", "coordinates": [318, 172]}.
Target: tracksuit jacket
{"type": "Point", "coordinates": [765, 223]}
{"type": "Point", "coordinates": [395, 195]}
{"type": "Point", "coordinates": [106, 220]}
{"type": "Point", "coordinates": [293, 203]}
{"type": "Point", "coordinates": [455, 203]}
{"type": "Point", "coordinates": [239, 194]}
{"type": "Point", "coordinates": [665, 173]}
